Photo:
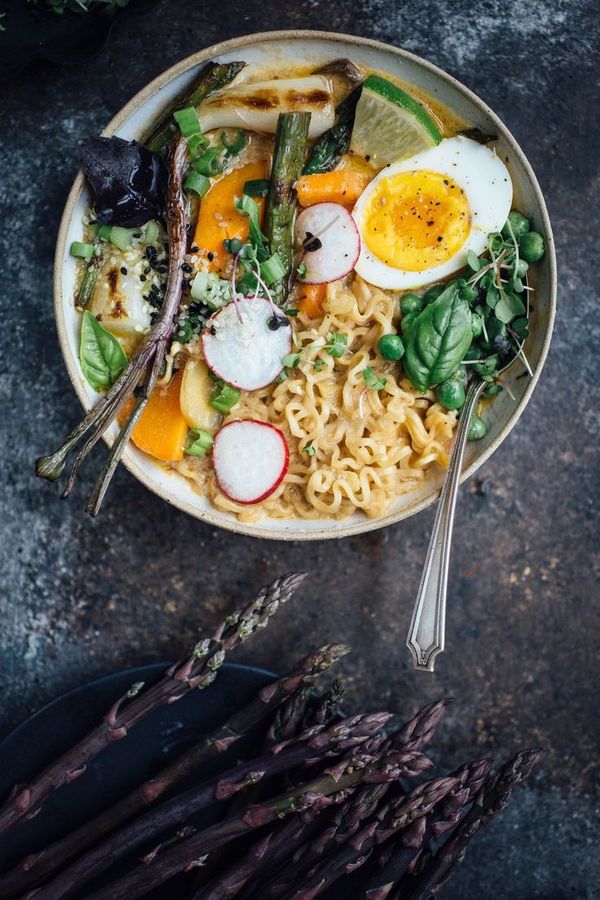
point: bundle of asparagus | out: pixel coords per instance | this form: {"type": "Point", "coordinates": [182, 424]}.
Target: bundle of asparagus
{"type": "Point", "coordinates": [329, 805]}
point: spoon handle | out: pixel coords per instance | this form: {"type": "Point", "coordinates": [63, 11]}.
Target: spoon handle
{"type": "Point", "coordinates": [427, 628]}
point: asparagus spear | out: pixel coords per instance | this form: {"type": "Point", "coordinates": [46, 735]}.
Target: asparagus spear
{"type": "Point", "coordinates": [288, 158]}
{"type": "Point", "coordinates": [213, 77]}
{"type": "Point", "coordinates": [327, 150]}
{"type": "Point", "coordinates": [398, 815]}
{"type": "Point", "coordinates": [413, 735]}
{"type": "Point", "coordinates": [31, 869]}
{"type": "Point", "coordinates": [408, 844]}
{"type": "Point", "coordinates": [490, 801]}
{"type": "Point", "coordinates": [144, 366]}
{"type": "Point", "coordinates": [363, 766]}
{"type": "Point", "coordinates": [327, 706]}
{"type": "Point", "coordinates": [348, 819]}
{"type": "Point", "coordinates": [197, 671]}
{"type": "Point", "coordinates": [316, 743]}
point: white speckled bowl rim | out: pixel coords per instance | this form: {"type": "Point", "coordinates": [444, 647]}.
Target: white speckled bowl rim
{"type": "Point", "coordinates": [174, 488]}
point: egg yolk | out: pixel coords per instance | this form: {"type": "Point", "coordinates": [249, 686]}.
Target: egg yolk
{"type": "Point", "coordinates": [416, 220]}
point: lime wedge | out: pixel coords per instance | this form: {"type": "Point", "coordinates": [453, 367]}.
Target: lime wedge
{"type": "Point", "coordinates": [389, 124]}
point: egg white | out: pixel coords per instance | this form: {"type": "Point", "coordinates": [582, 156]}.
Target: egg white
{"type": "Point", "coordinates": [487, 186]}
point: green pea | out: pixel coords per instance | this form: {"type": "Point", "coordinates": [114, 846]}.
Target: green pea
{"type": "Point", "coordinates": [492, 390]}
{"type": "Point", "coordinates": [390, 346]}
{"type": "Point", "coordinates": [450, 394]}
{"type": "Point", "coordinates": [518, 223]}
{"type": "Point", "coordinates": [486, 367]}
{"type": "Point", "coordinates": [433, 293]}
{"type": "Point", "coordinates": [521, 268]}
{"type": "Point", "coordinates": [411, 303]}
{"type": "Point", "coordinates": [477, 429]}
{"type": "Point", "coordinates": [531, 246]}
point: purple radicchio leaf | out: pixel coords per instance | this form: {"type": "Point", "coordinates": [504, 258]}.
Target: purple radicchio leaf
{"type": "Point", "coordinates": [127, 180]}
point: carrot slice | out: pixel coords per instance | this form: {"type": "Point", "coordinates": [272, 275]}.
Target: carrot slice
{"type": "Point", "coordinates": [218, 218]}
{"type": "Point", "coordinates": [311, 303]}
{"type": "Point", "coordinates": [342, 186]}
{"type": "Point", "coordinates": [161, 429]}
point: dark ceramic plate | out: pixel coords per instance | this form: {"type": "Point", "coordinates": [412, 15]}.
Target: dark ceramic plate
{"type": "Point", "coordinates": [121, 766]}
{"type": "Point", "coordinates": [32, 32]}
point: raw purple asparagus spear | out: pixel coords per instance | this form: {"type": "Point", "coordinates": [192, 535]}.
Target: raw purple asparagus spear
{"type": "Point", "coordinates": [397, 815]}
{"type": "Point", "coordinates": [359, 767]}
{"type": "Point", "coordinates": [409, 843]}
{"type": "Point", "coordinates": [268, 852]}
{"type": "Point", "coordinates": [34, 867]}
{"type": "Point", "coordinates": [314, 744]}
{"type": "Point", "coordinates": [489, 802]}
{"type": "Point", "coordinates": [346, 822]}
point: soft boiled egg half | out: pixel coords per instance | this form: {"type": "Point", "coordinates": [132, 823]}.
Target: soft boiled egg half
{"type": "Point", "coordinates": [419, 217]}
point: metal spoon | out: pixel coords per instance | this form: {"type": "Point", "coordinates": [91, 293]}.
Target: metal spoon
{"type": "Point", "coordinates": [426, 635]}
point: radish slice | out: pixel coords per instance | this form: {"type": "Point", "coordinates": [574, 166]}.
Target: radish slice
{"type": "Point", "coordinates": [337, 233]}
{"type": "Point", "coordinates": [247, 354]}
{"type": "Point", "coordinates": [250, 459]}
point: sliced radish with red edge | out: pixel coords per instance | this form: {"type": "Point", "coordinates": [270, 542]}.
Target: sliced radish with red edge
{"type": "Point", "coordinates": [249, 353]}
{"type": "Point", "coordinates": [250, 459]}
{"type": "Point", "coordinates": [335, 236]}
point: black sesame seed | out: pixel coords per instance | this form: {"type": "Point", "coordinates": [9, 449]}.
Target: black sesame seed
{"type": "Point", "coordinates": [142, 277]}
{"type": "Point", "coordinates": [186, 267]}
{"type": "Point", "coordinates": [210, 256]}
{"type": "Point", "coordinates": [150, 251]}
{"type": "Point", "coordinates": [123, 270]}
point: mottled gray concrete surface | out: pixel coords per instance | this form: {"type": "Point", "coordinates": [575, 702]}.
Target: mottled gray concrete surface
{"type": "Point", "coordinates": [82, 598]}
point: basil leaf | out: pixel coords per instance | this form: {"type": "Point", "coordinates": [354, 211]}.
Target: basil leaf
{"type": "Point", "coordinates": [438, 339]}
{"type": "Point", "coordinates": [249, 207]}
{"type": "Point", "coordinates": [101, 356]}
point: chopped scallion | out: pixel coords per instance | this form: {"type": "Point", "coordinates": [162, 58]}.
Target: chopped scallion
{"type": "Point", "coordinates": [198, 442]}
{"type": "Point", "coordinates": [152, 232]}
{"type": "Point", "coordinates": [104, 232]}
{"type": "Point", "coordinates": [211, 290]}
{"type": "Point", "coordinates": [197, 183]}
{"type": "Point", "coordinates": [223, 396]}
{"type": "Point", "coordinates": [210, 163]}
{"type": "Point", "coordinates": [291, 360]}
{"type": "Point", "coordinates": [236, 145]}
{"type": "Point", "coordinates": [301, 270]}
{"type": "Point", "coordinates": [310, 449]}
{"type": "Point", "coordinates": [272, 269]}
{"type": "Point", "coordinates": [82, 251]}
{"type": "Point", "coordinates": [197, 144]}
{"type": "Point", "coordinates": [121, 237]}
{"type": "Point", "coordinates": [188, 121]}
{"type": "Point", "coordinates": [319, 363]}
{"type": "Point", "coordinates": [257, 187]}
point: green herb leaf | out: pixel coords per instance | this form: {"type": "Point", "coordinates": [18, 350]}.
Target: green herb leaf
{"type": "Point", "coordinates": [291, 360]}
{"type": "Point", "coordinates": [336, 344]}
{"type": "Point", "coordinates": [101, 356]}
{"type": "Point", "coordinates": [301, 270]}
{"type": "Point", "coordinates": [310, 449]}
{"type": "Point", "coordinates": [372, 382]}
{"type": "Point", "coordinates": [438, 339]}
{"type": "Point", "coordinates": [319, 363]}
{"type": "Point", "coordinates": [473, 261]}
{"type": "Point", "coordinates": [508, 307]}
{"type": "Point", "coordinates": [249, 207]}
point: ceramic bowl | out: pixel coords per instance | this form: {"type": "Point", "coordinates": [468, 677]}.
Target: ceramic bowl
{"type": "Point", "coordinates": [280, 49]}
